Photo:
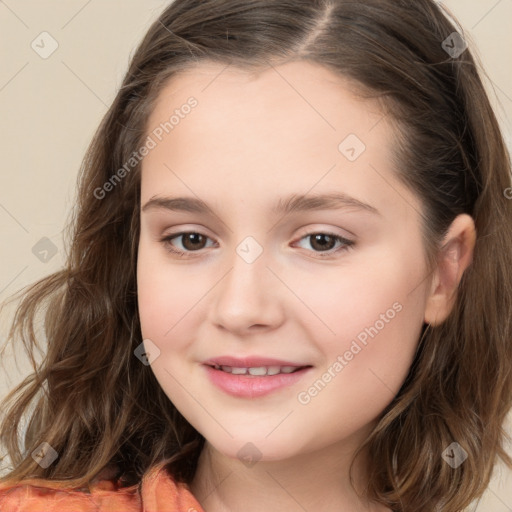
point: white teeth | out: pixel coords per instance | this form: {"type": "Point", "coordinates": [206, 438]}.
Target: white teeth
{"type": "Point", "coordinates": [273, 370]}
{"type": "Point", "coordinates": [258, 371]}
{"type": "Point", "coordinates": [238, 371]}
{"type": "Point", "coordinates": [261, 370]}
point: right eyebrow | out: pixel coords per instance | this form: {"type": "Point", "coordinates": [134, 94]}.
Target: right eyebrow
{"type": "Point", "coordinates": [185, 204]}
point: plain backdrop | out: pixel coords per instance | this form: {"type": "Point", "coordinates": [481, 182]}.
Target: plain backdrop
{"type": "Point", "coordinates": [52, 103]}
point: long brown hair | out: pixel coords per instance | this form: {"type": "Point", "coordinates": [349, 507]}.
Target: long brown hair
{"type": "Point", "coordinates": [97, 405]}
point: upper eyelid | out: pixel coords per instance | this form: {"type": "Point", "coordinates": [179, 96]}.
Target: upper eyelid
{"type": "Point", "coordinates": [310, 232]}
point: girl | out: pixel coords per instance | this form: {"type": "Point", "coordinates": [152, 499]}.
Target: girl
{"type": "Point", "coordinates": [289, 284]}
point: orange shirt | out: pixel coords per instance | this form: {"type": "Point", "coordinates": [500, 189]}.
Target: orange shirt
{"type": "Point", "coordinates": [158, 492]}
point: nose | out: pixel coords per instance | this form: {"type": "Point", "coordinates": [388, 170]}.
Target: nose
{"type": "Point", "coordinates": [248, 296]}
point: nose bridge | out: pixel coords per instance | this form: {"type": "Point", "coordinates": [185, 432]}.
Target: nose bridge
{"type": "Point", "coordinates": [246, 296]}
{"type": "Point", "coordinates": [247, 277]}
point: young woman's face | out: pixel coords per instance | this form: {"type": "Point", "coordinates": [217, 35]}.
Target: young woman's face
{"type": "Point", "coordinates": [264, 282]}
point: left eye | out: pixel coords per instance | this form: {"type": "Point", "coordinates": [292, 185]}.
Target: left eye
{"type": "Point", "coordinates": [325, 241]}
{"type": "Point", "coordinates": [193, 241]}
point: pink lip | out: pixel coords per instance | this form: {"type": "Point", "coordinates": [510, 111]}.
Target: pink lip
{"type": "Point", "coordinates": [251, 386]}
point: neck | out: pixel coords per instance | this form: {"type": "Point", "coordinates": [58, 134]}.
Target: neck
{"type": "Point", "coordinates": [312, 481]}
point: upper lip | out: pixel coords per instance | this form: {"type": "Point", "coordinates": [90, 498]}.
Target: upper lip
{"type": "Point", "coordinates": [249, 362]}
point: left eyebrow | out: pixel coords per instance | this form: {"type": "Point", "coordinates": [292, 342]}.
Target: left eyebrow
{"type": "Point", "coordinates": [290, 204]}
{"type": "Point", "coordinates": [332, 201]}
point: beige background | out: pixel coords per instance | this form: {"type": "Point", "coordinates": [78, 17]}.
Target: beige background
{"type": "Point", "coordinates": [51, 107]}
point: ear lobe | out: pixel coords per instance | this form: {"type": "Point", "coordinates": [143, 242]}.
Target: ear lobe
{"type": "Point", "coordinates": [455, 256]}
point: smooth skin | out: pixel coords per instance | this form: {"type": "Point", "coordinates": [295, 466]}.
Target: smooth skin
{"type": "Point", "coordinates": [252, 140]}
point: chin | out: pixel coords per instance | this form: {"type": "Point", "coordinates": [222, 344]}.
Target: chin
{"type": "Point", "coordinates": [250, 449]}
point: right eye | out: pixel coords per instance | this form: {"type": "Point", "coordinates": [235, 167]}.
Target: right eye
{"type": "Point", "coordinates": [192, 241]}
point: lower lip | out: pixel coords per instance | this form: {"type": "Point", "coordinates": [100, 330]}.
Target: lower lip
{"type": "Point", "coordinates": [249, 386]}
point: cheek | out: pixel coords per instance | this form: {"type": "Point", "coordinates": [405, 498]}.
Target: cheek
{"type": "Point", "coordinates": [165, 293]}
{"type": "Point", "coordinates": [377, 315]}
{"type": "Point", "coordinates": [360, 380]}
{"type": "Point", "coordinates": [166, 298]}
{"type": "Point", "coordinates": [363, 373]}
{"type": "Point", "coordinates": [367, 301]}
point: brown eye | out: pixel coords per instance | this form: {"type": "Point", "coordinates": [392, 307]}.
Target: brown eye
{"type": "Point", "coordinates": [324, 243]}
{"type": "Point", "coordinates": [190, 242]}
{"type": "Point", "coordinates": [193, 241]}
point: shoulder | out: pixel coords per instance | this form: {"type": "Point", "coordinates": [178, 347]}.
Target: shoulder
{"type": "Point", "coordinates": [38, 495]}
{"type": "Point", "coordinates": [157, 492]}
{"type": "Point", "coordinates": [162, 493]}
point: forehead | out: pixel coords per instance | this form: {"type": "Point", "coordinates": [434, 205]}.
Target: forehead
{"type": "Point", "coordinates": [287, 126]}
{"type": "Point", "coordinates": [299, 101]}
{"type": "Point", "coordinates": [301, 84]}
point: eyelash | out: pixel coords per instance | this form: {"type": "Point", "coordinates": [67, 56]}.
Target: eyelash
{"type": "Point", "coordinates": [347, 244]}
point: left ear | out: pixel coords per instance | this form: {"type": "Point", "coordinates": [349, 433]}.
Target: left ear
{"type": "Point", "coordinates": [454, 257]}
